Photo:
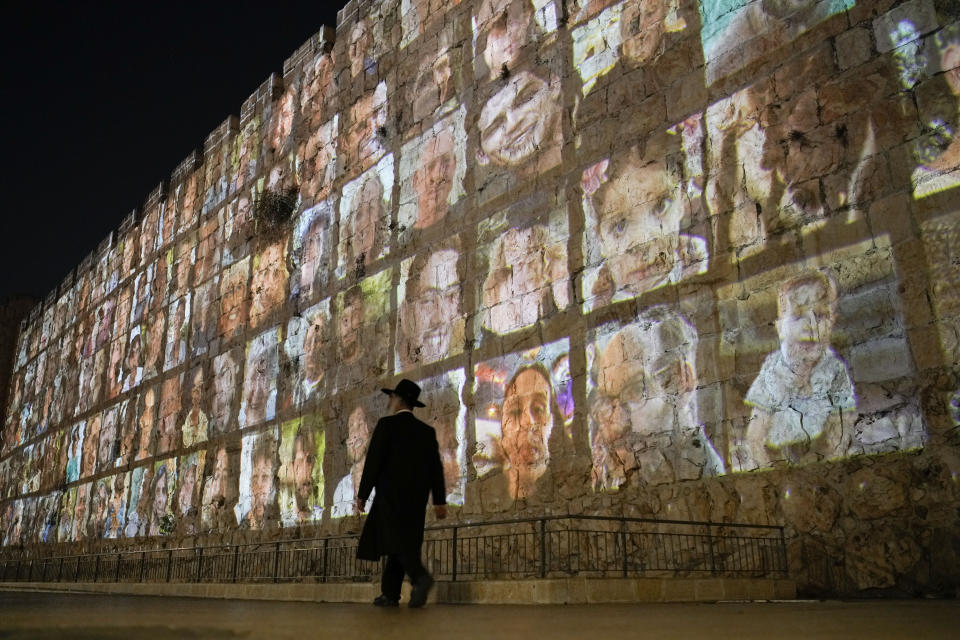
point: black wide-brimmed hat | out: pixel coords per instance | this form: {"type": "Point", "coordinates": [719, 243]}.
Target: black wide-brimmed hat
{"type": "Point", "coordinates": [408, 390]}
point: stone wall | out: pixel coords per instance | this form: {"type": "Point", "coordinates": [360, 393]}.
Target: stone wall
{"type": "Point", "coordinates": [12, 311]}
{"type": "Point", "coordinates": [670, 259]}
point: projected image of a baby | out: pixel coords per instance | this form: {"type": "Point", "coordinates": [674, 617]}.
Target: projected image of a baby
{"type": "Point", "coordinates": [802, 400]}
{"type": "Point", "coordinates": [644, 423]}
{"type": "Point", "coordinates": [637, 237]}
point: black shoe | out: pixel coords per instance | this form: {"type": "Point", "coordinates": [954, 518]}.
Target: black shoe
{"type": "Point", "coordinates": [418, 597]}
{"type": "Point", "coordinates": [384, 601]}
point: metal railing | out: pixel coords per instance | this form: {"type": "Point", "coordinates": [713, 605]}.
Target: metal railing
{"type": "Point", "coordinates": [552, 546]}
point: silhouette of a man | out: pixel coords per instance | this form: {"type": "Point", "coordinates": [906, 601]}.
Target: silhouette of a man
{"type": "Point", "coordinates": [403, 464]}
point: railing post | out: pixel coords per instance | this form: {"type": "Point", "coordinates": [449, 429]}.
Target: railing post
{"type": "Point", "coordinates": [60, 570]}
{"type": "Point", "coordinates": [323, 565]}
{"type": "Point", "coordinates": [143, 561]}
{"type": "Point", "coordinates": [30, 571]}
{"type": "Point", "coordinates": [713, 559]}
{"type": "Point", "coordinates": [199, 565]}
{"type": "Point", "coordinates": [117, 577]}
{"type": "Point", "coordinates": [623, 545]}
{"type": "Point", "coordinates": [169, 563]}
{"type": "Point", "coordinates": [543, 548]}
{"type": "Point", "coordinates": [276, 563]}
{"type": "Point", "coordinates": [454, 572]}
{"type": "Point", "coordinates": [96, 567]}
{"type": "Point", "coordinates": [236, 559]}
{"type": "Point", "coordinates": [783, 553]}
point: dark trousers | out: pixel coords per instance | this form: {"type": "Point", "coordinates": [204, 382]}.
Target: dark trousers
{"type": "Point", "coordinates": [406, 562]}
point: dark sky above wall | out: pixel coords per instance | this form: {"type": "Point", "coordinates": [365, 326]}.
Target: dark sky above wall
{"type": "Point", "coordinates": [102, 100]}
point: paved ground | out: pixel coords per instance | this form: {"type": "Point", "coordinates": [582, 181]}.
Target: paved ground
{"type": "Point", "coordinates": [55, 616]}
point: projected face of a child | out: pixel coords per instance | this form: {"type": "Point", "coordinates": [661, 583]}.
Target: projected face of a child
{"type": "Point", "coordinates": [433, 178]}
{"type": "Point", "coordinates": [805, 323]}
{"type": "Point", "coordinates": [639, 216]}
{"type": "Point", "coordinates": [160, 496]}
{"type": "Point", "coordinates": [314, 245]}
{"type": "Point", "coordinates": [526, 419]}
{"type": "Point", "coordinates": [187, 488]}
{"type": "Point", "coordinates": [436, 304]}
{"type": "Point", "coordinates": [518, 120]}
{"type": "Point", "coordinates": [224, 382]}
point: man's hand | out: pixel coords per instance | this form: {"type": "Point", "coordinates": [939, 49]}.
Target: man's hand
{"type": "Point", "coordinates": [360, 505]}
{"type": "Point", "coordinates": [440, 511]}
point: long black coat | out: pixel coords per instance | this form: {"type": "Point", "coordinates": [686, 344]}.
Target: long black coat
{"type": "Point", "coordinates": [403, 463]}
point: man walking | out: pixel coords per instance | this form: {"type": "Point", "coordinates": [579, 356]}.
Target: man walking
{"type": "Point", "coordinates": [403, 464]}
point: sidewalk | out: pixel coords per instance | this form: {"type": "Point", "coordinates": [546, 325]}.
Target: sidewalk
{"type": "Point", "coordinates": [56, 616]}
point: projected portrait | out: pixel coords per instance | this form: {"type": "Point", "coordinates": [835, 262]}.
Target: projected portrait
{"type": "Point", "coordinates": [259, 401]}
{"type": "Point", "coordinates": [268, 284]}
{"type": "Point", "coordinates": [75, 451]}
{"type": "Point", "coordinates": [765, 25]}
{"type": "Point", "coordinates": [503, 28]}
{"type": "Point", "coordinates": [233, 299]}
{"type": "Point", "coordinates": [520, 122]}
{"type": "Point", "coordinates": [107, 448]}
{"type": "Point", "coordinates": [187, 506]}
{"type": "Point", "coordinates": [168, 435]}
{"type": "Point", "coordinates": [317, 96]}
{"type": "Point", "coordinates": [523, 257]}
{"type": "Point", "coordinates": [432, 167]}
{"type": "Point", "coordinates": [104, 323]}
{"type": "Point", "coordinates": [48, 517]}
{"type": "Point", "coordinates": [362, 142]}
{"type": "Point", "coordinates": [430, 321]}
{"type": "Point", "coordinates": [177, 332]}
{"type": "Point", "coordinates": [642, 401]}
{"type": "Point", "coordinates": [160, 280]}
{"type": "Point", "coordinates": [168, 218]}
{"type": "Point", "coordinates": [91, 446]}
{"type": "Point", "coordinates": [803, 388]}
{"type": "Point", "coordinates": [448, 416]}
{"type": "Point", "coordinates": [206, 308]}
{"type": "Point", "coordinates": [439, 77]}
{"type": "Point", "coordinates": [362, 317]}
{"type": "Point", "coordinates": [255, 507]}
{"type": "Point", "coordinates": [226, 379]}
{"type": "Point", "coordinates": [162, 488]}
{"type": "Point", "coordinates": [196, 424]}
{"type": "Point", "coordinates": [138, 504]}
{"type": "Point", "coordinates": [309, 352]}
{"type": "Point", "coordinates": [132, 366]}
{"type": "Point", "coordinates": [360, 48]}
{"type": "Point", "coordinates": [114, 370]}
{"type": "Point", "coordinates": [153, 347]}
{"type": "Point", "coordinates": [147, 422]}
{"type": "Point", "coordinates": [300, 492]}
{"type": "Point", "coordinates": [281, 120]}
{"type": "Point", "coordinates": [127, 428]}
{"type": "Point", "coordinates": [939, 151]}
{"type": "Point", "coordinates": [312, 253]}
{"type": "Point", "coordinates": [317, 157]}
{"type": "Point", "coordinates": [219, 491]}
{"type": "Point", "coordinates": [519, 426]}
{"type": "Point", "coordinates": [183, 265]}
{"type": "Point", "coordinates": [148, 234]}
{"type": "Point", "coordinates": [81, 510]}
{"type": "Point", "coordinates": [365, 219]}
{"type": "Point", "coordinates": [637, 222]}
{"type": "Point", "coordinates": [116, 505]}
{"type": "Point", "coordinates": [99, 504]}
{"type": "Point", "coordinates": [207, 253]}
{"type": "Point", "coordinates": [65, 524]}
{"type": "Point", "coordinates": [357, 430]}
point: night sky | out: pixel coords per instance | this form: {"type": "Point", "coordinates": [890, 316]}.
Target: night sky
{"type": "Point", "coordinates": [102, 100]}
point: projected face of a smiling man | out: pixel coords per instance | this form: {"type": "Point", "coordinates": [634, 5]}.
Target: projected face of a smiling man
{"type": "Point", "coordinates": [518, 120]}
